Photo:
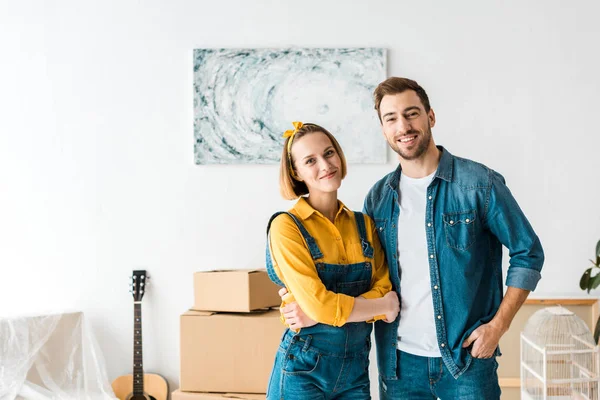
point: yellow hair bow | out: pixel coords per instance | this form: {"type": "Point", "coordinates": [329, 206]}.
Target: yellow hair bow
{"type": "Point", "coordinates": [292, 132]}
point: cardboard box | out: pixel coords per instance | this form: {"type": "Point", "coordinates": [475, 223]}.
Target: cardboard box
{"type": "Point", "coordinates": [234, 290]}
{"type": "Point", "coordinates": [228, 352]}
{"type": "Point", "coordinates": [179, 395]}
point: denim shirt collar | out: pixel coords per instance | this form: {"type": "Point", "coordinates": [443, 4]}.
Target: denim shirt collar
{"type": "Point", "coordinates": [444, 170]}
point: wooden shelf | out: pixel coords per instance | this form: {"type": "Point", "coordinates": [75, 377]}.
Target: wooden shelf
{"type": "Point", "coordinates": [510, 382]}
{"type": "Point", "coordinates": [562, 302]}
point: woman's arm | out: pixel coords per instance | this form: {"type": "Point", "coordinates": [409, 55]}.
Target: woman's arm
{"type": "Point", "coordinates": [364, 309]}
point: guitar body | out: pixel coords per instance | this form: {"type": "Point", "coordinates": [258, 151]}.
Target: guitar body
{"type": "Point", "coordinates": [155, 388]}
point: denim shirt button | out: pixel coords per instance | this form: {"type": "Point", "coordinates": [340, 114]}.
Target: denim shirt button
{"type": "Point", "coordinates": [435, 287]}
{"type": "Point", "coordinates": [431, 256]}
{"type": "Point", "coordinates": [443, 344]}
{"type": "Point", "coordinates": [429, 197]}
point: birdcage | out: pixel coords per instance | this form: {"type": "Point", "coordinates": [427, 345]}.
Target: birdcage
{"type": "Point", "coordinates": [559, 359]}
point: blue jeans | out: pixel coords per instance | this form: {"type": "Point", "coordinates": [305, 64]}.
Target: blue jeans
{"type": "Point", "coordinates": [305, 370]}
{"type": "Point", "coordinates": [428, 378]}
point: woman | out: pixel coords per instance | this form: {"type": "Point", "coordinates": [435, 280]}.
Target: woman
{"type": "Point", "coordinates": [332, 265]}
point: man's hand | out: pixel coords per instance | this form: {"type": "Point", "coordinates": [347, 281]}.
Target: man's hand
{"type": "Point", "coordinates": [485, 340]}
{"type": "Point", "coordinates": [293, 314]}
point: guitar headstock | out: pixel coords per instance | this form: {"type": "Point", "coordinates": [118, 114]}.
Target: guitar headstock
{"type": "Point", "coordinates": [139, 284]}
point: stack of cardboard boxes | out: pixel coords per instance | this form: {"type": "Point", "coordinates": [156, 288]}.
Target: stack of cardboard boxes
{"type": "Point", "coordinates": [230, 336]}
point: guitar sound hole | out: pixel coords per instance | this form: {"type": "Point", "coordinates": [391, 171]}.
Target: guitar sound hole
{"type": "Point", "coordinates": [141, 397]}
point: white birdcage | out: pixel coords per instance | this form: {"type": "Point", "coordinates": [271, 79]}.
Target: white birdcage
{"type": "Point", "coordinates": [559, 359]}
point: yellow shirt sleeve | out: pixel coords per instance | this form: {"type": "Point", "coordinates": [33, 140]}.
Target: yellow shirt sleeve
{"type": "Point", "coordinates": [296, 268]}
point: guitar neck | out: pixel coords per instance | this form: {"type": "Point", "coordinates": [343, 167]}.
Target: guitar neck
{"type": "Point", "coordinates": [138, 367]}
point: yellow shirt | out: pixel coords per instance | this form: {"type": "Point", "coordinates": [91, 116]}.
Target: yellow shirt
{"type": "Point", "coordinates": [340, 244]}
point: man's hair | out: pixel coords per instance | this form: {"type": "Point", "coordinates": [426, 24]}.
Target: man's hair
{"type": "Point", "coordinates": [290, 187]}
{"type": "Point", "coordinates": [395, 85]}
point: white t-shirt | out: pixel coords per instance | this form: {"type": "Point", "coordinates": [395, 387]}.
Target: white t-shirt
{"type": "Point", "coordinates": [416, 332]}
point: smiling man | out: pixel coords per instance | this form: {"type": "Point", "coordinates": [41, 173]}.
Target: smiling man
{"type": "Point", "coordinates": [442, 221]}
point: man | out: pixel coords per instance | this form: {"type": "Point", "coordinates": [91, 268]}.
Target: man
{"type": "Point", "coordinates": [442, 221]}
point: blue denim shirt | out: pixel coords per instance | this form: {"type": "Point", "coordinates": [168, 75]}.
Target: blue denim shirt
{"type": "Point", "coordinates": [470, 214]}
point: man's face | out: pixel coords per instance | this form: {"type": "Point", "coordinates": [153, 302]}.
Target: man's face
{"type": "Point", "coordinates": [406, 125]}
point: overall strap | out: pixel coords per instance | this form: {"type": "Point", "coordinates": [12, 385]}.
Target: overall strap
{"type": "Point", "coordinates": [313, 248]}
{"type": "Point", "coordinates": [362, 233]}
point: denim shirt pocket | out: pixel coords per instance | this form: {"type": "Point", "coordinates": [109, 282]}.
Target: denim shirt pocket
{"type": "Point", "coordinates": [459, 228]}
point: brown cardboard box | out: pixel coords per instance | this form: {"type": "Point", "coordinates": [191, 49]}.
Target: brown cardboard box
{"type": "Point", "coordinates": [228, 352]}
{"type": "Point", "coordinates": [234, 290]}
{"type": "Point", "coordinates": [179, 395]}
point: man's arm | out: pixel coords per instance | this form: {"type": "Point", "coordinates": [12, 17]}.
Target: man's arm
{"type": "Point", "coordinates": [505, 219]}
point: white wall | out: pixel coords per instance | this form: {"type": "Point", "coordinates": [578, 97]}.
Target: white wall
{"type": "Point", "coordinates": [96, 146]}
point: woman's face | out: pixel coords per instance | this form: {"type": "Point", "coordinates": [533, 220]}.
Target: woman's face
{"type": "Point", "coordinates": [317, 163]}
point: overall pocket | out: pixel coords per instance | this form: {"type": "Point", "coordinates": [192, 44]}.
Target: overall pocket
{"type": "Point", "coordinates": [459, 228]}
{"type": "Point", "coordinates": [300, 361]}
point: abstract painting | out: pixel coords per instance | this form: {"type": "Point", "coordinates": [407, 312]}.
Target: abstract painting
{"type": "Point", "coordinates": [244, 99]}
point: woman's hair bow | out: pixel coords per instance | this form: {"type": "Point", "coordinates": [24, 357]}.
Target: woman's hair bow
{"type": "Point", "coordinates": [292, 132]}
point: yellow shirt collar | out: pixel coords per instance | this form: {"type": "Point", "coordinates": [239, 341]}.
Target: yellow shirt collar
{"type": "Point", "coordinates": [304, 210]}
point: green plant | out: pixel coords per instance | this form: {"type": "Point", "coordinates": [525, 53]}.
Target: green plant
{"type": "Point", "coordinates": [591, 281]}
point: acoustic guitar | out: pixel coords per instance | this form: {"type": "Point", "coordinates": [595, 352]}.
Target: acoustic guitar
{"type": "Point", "coordinates": [139, 386]}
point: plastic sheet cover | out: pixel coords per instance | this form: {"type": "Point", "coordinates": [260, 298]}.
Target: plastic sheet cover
{"type": "Point", "coordinates": [51, 357]}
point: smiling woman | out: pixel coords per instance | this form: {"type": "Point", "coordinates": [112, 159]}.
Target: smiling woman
{"type": "Point", "coordinates": [333, 268]}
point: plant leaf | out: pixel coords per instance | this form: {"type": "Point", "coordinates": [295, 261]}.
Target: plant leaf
{"type": "Point", "coordinates": [598, 249]}
{"type": "Point", "coordinates": [585, 280]}
{"type": "Point", "coordinates": [597, 261]}
{"type": "Point", "coordinates": [595, 281]}
{"type": "Point", "coordinates": [597, 330]}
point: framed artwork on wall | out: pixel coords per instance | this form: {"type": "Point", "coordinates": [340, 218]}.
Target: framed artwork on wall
{"type": "Point", "coordinates": [244, 99]}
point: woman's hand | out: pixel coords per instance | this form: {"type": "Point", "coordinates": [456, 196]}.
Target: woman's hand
{"type": "Point", "coordinates": [293, 314]}
{"type": "Point", "coordinates": [392, 306]}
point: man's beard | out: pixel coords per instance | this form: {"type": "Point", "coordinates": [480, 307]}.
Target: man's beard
{"type": "Point", "coordinates": [421, 147]}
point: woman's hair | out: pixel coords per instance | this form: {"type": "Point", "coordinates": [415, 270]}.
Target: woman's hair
{"type": "Point", "coordinates": [289, 186]}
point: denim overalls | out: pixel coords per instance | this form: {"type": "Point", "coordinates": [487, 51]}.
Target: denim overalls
{"type": "Point", "coordinates": [324, 361]}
